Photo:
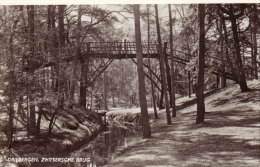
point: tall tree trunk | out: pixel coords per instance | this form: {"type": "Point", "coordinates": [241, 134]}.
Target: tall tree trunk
{"type": "Point", "coordinates": [76, 56]}
{"type": "Point", "coordinates": [200, 79]}
{"type": "Point", "coordinates": [142, 91]}
{"type": "Point", "coordinates": [105, 90]}
{"type": "Point", "coordinates": [49, 27]}
{"type": "Point", "coordinates": [38, 127]}
{"type": "Point", "coordinates": [255, 41]}
{"type": "Point", "coordinates": [232, 17]}
{"type": "Point", "coordinates": [20, 108]}
{"type": "Point", "coordinates": [83, 82]}
{"type": "Point", "coordinates": [161, 105]}
{"type": "Point", "coordinates": [9, 129]}
{"type": "Point", "coordinates": [242, 76]}
{"type": "Point", "coordinates": [113, 101]}
{"type": "Point", "coordinates": [10, 126]}
{"type": "Point", "coordinates": [49, 10]}
{"type": "Point", "coordinates": [189, 84]}
{"type": "Point", "coordinates": [164, 81]}
{"type": "Point", "coordinates": [172, 63]}
{"type": "Point", "coordinates": [223, 77]}
{"type": "Point", "coordinates": [32, 122]}
{"type": "Point", "coordinates": [168, 74]}
{"type": "Point", "coordinates": [54, 43]}
{"type": "Point", "coordinates": [62, 36]}
{"type": "Point", "coordinates": [55, 47]}
{"type": "Point", "coordinates": [233, 70]}
{"type": "Point", "coordinates": [149, 61]}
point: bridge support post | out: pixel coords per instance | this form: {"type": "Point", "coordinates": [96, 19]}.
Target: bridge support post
{"type": "Point", "coordinates": [217, 81]}
{"type": "Point", "coordinates": [125, 47]}
{"type": "Point", "coordinates": [223, 81]}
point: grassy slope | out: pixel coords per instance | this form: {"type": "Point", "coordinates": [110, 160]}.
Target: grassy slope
{"type": "Point", "coordinates": [73, 128]}
{"type": "Point", "coordinates": [229, 137]}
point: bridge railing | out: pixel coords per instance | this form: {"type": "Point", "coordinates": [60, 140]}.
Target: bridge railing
{"type": "Point", "coordinates": [118, 47]}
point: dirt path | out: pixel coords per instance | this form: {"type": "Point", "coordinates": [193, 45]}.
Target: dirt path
{"type": "Point", "coordinates": [230, 136]}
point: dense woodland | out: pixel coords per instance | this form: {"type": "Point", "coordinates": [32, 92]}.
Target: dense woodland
{"type": "Point", "coordinates": [44, 70]}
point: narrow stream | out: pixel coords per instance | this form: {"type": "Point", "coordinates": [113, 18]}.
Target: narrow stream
{"type": "Point", "coordinates": [104, 148]}
{"type": "Point", "coordinates": [99, 151]}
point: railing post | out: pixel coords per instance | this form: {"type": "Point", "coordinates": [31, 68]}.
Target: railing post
{"type": "Point", "coordinates": [125, 47]}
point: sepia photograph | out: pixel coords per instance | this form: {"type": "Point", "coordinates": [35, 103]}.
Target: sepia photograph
{"type": "Point", "coordinates": [129, 83]}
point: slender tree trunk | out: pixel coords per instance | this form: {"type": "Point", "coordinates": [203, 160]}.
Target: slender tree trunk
{"type": "Point", "coordinates": [252, 56]}
{"type": "Point", "coordinates": [255, 41]}
{"type": "Point", "coordinates": [38, 127]}
{"type": "Point", "coordinates": [10, 127]}
{"type": "Point", "coordinates": [232, 17]}
{"type": "Point", "coordinates": [168, 73]}
{"type": "Point", "coordinates": [242, 76]}
{"type": "Point", "coordinates": [217, 81]}
{"type": "Point", "coordinates": [233, 70]}
{"type": "Point", "coordinates": [32, 122]}
{"type": "Point", "coordinates": [223, 77]}
{"type": "Point", "coordinates": [161, 105]}
{"type": "Point", "coordinates": [83, 83]}
{"type": "Point", "coordinates": [200, 79]}
{"type": "Point", "coordinates": [54, 50]}
{"type": "Point", "coordinates": [53, 40]}
{"type": "Point", "coordinates": [76, 56]}
{"type": "Point", "coordinates": [149, 61]}
{"type": "Point", "coordinates": [113, 101]}
{"type": "Point", "coordinates": [172, 64]}
{"type": "Point", "coordinates": [142, 91]}
{"type": "Point", "coordinates": [189, 84]}
{"type": "Point", "coordinates": [20, 108]}
{"type": "Point", "coordinates": [105, 90]}
{"type": "Point", "coordinates": [164, 81]}
{"type": "Point", "coordinates": [54, 116]}
{"type": "Point", "coordinates": [62, 37]}
{"type": "Point", "coordinates": [49, 10]}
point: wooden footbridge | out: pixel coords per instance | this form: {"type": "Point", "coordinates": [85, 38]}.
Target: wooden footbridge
{"type": "Point", "coordinates": [127, 50]}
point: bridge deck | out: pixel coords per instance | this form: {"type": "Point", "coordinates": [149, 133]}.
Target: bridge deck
{"type": "Point", "coordinates": [124, 50]}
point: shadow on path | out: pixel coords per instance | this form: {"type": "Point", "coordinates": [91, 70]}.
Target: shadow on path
{"type": "Point", "coordinates": [229, 138]}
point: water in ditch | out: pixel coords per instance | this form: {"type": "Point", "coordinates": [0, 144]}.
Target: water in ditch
{"type": "Point", "coordinates": [106, 147]}
{"type": "Point", "coordinates": [102, 149]}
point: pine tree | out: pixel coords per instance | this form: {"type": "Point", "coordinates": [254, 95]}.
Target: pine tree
{"type": "Point", "coordinates": [142, 92]}
{"type": "Point", "coordinates": [200, 79]}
